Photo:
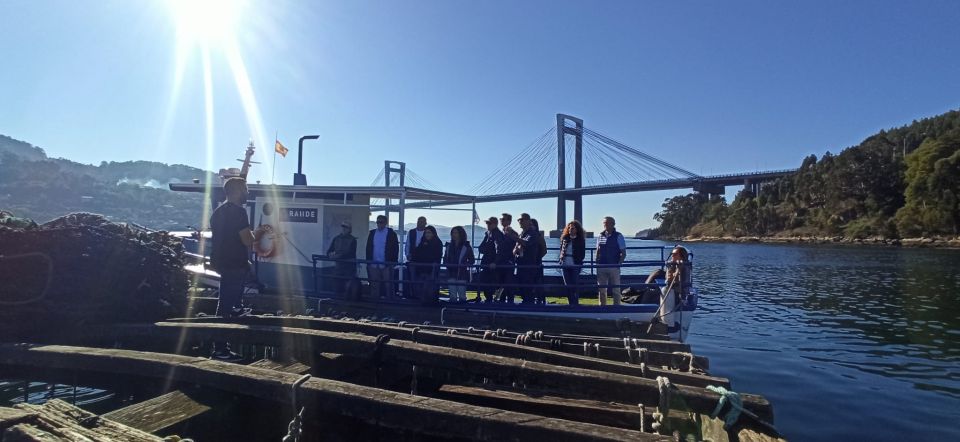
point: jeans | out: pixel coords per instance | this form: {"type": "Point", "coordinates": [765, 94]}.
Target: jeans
{"type": "Point", "coordinates": [458, 290]}
{"type": "Point", "coordinates": [231, 290]}
{"type": "Point", "coordinates": [571, 276]}
{"type": "Point", "coordinates": [609, 276]}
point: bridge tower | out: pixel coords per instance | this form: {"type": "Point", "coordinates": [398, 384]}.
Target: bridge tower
{"type": "Point", "coordinates": [390, 168]}
{"type": "Point", "coordinates": [563, 197]}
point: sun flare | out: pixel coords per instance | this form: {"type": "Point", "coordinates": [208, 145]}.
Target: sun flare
{"type": "Point", "coordinates": [206, 21]}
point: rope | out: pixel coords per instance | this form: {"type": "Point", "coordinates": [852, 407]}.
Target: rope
{"type": "Point", "coordinates": [736, 406]}
{"type": "Point", "coordinates": [413, 334]}
{"type": "Point", "coordinates": [663, 408]}
{"type": "Point", "coordinates": [413, 382]}
{"type": "Point", "coordinates": [688, 358]}
{"type": "Point", "coordinates": [295, 427]}
{"type": "Point", "coordinates": [375, 357]}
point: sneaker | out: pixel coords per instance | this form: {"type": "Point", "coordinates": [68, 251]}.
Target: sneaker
{"type": "Point", "coordinates": [226, 356]}
{"type": "Point", "coordinates": [240, 312]}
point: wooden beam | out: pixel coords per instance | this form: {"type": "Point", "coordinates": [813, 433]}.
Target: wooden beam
{"type": "Point", "coordinates": [595, 412]}
{"type": "Point", "coordinates": [10, 417]}
{"type": "Point", "coordinates": [71, 423]}
{"type": "Point", "coordinates": [384, 408]}
{"type": "Point", "coordinates": [535, 350]}
{"type": "Point", "coordinates": [608, 386]}
{"type": "Point", "coordinates": [159, 413]}
{"type": "Point", "coordinates": [286, 367]}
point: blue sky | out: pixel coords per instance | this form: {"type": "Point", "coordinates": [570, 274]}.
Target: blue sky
{"type": "Point", "coordinates": [455, 88]}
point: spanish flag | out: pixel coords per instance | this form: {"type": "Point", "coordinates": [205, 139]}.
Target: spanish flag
{"type": "Point", "coordinates": [280, 149]}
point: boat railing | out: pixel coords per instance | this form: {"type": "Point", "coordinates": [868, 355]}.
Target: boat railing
{"type": "Point", "coordinates": [478, 276]}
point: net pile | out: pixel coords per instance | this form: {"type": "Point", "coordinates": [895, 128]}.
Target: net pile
{"type": "Point", "coordinates": [83, 269]}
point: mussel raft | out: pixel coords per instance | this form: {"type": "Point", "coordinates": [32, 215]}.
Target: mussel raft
{"type": "Point", "coordinates": [318, 376]}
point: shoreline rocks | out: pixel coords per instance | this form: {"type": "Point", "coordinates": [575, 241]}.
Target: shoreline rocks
{"type": "Point", "coordinates": [924, 242]}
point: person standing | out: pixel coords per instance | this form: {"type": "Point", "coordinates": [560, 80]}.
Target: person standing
{"type": "Point", "coordinates": [611, 251]}
{"type": "Point", "coordinates": [489, 253]}
{"type": "Point", "coordinates": [383, 248]}
{"type": "Point", "coordinates": [527, 252]}
{"type": "Point", "coordinates": [426, 259]}
{"type": "Point", "coordinates": [539, 291]}
{"type": "Point", "coordinates": [414, 236]}
{"type": "Point", "coordinates": [506, 260]}
{"type": "Point", "coordinates": [678, 282]}
{"type": "Point", "coordinates": [458, 259]}
{"type": "Point", "coordinates": [343, 248]}
{"type": "Point", "coordinates": [232, 239]}
{"type": "Point", "coordinates": [573, 248]}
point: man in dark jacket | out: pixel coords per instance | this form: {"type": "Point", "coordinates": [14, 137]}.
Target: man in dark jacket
{"type": "Point", "coordinates": [489, 252]}
{"type": "Point", "coordinates": [528, 259]}
{"type": "Point", "coordinates": [383, 248]}
{"type": "Point", "coordinates": [506, 260]}
{"type": "Point", "coordinates": [413, 239]}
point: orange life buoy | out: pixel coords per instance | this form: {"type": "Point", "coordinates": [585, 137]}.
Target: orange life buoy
{"type": "Point", "coordinates": [265, 244]}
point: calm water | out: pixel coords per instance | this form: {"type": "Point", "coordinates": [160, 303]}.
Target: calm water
{"type": "Point", "coordinates": [848, 343]}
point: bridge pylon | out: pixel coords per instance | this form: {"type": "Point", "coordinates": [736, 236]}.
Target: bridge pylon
{"type": "Point", "coordinates": [576, 197]}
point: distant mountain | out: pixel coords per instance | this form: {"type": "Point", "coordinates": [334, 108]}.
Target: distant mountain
{"type": "Point", "coordinates": [35, 186]}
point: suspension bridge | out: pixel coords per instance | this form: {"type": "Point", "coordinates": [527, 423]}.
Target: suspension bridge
{"type": "Point", "coordinates": [597, 164]}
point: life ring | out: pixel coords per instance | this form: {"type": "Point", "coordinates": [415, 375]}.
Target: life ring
{"type": "Point", "coordinates": [265, 243]}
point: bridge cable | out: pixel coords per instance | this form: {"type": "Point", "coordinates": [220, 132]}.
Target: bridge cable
{"type": "Point", "coordinates": [504, 171]}
{"type": "Point", "coordinates": [639, 153]}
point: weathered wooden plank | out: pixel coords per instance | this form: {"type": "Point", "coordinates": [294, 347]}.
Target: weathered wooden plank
{"type": "Point", "coordinates": [294, 367]}
{"type": "Point", "coordinates": [10, 417]}
{"type": "Point", "coordinates": [596, 412]}
{"type": "Point", "coordinates": [68, 422]}
{"type": "Point", "coordinates": [539, 351]}
{"type": "Point", "coordinates": [607, 386]}
{"type": "Point", "coordinates": [377, 407]}
{"type": "Point", "coordinates": [27, 433]}
{"type": "Point", "coordinates": [159, 413]}
{"type": "Point", "coordinates": [309, 338]}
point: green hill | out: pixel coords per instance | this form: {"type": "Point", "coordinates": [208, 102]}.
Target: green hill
{"type": "Point", "coordinates": [35, 186]}
{"type": "Point", "coordinates": [871, 189]}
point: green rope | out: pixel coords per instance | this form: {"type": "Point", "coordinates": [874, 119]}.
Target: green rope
{"type": "Point", "coordinates": [736, 405]}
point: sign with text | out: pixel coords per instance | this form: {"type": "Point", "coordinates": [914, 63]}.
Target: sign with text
{"type": "Point", "coordinates": [298, 215]}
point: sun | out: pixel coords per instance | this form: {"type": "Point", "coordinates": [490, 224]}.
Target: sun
{"type": "Point", "coordinates": [207, 22]}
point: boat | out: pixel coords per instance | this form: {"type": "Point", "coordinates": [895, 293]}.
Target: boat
{"type": "Point", "coordinates": [302, 220]}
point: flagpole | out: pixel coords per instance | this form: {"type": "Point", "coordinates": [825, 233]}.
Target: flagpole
{"type": "Point", "coordinates": [274, 173]}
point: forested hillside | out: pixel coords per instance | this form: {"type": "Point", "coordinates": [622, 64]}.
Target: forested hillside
{"type": "Point", "coordinates": [868, 190]}
{"type": "Point", "coordinates": [35, 186]}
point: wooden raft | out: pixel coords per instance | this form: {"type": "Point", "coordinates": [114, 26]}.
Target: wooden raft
{"type": "Point", "coordinates": [384, 408]}
{"type": "Point", "coordinates": [603, 385]}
